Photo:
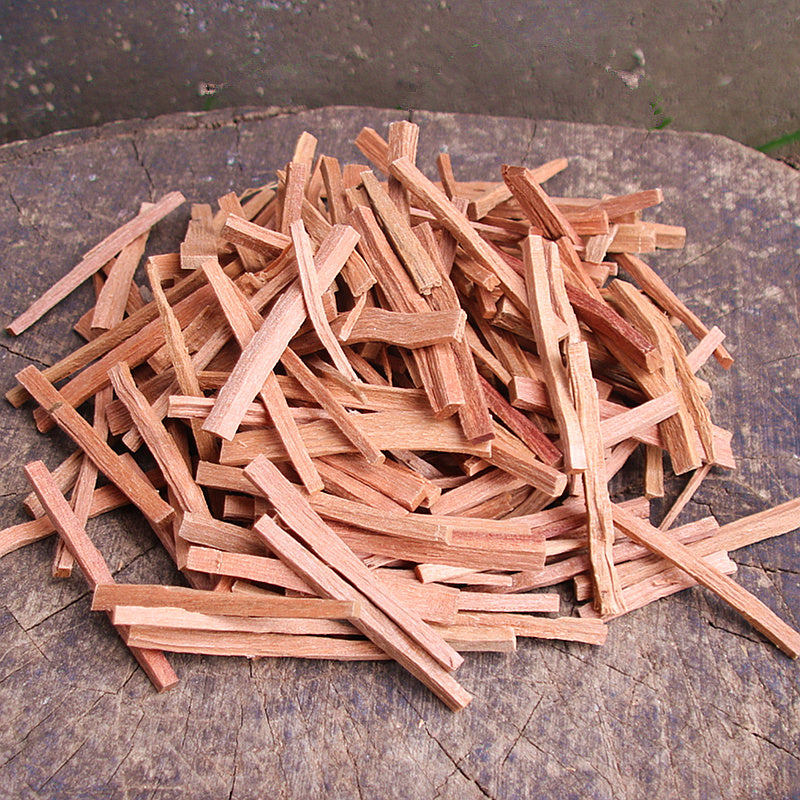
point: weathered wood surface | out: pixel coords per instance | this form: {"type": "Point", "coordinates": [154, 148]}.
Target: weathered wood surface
{"type": "Point", "coordinates": [684, 700]}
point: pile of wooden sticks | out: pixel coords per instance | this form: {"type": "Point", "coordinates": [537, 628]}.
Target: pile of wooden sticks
{"type": "Point", "coordinates": [385, 411]}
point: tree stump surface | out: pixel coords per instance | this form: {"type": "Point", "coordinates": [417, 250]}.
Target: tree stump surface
{"type": "Point", "coordinates": [684, 700]}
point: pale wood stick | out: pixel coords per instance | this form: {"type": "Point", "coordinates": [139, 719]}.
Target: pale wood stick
{"type": "Point", "coordinates": [558, 291]}
{"type": "Point", "coordinates": [692, 485]}
{"type": "Point", "coordinates": [402, 141]}
{"type": "Point", "coordinates": [432, 603]}
{"type": "Point", "coordinates": [204, 530]}
{"type": "Point", "coordinates": [446, 176]}
{"type": "Point", "coordinates": [134, 351]}
{"type": "Point", "coordinates": [124, 474]}
{"type": "Point", "coordinates": [541, 314]}
{"type": "Point", "coordinates": [243, 319]}
{"type": "Point", "coordinates": [625, 552]}
{"type": "Point", "coordinates": [167, 618]}
{"type": "Point", "coordinates": [83, 493]}
{"type": "Point", "coordinates": [262, 240]}
{"type": "Point", "coordinates": [511, 455]}
{"type": "Point", "coordinates": [624, 204]}
{"type": "Point", "coordinates": [93, 566]}
{"type": "Point", "coordinates": [473, 271]}
{"type": "Point", "coordinates": [473, 414]}
{"type": "Point", "coordinates": [589, 223]}
{"type": "Point", "coordinates": [112, 300]}
{"type": "Point", "coordinates": [705, 348]}
{"type": "Point", "coordinates": [486, 357]}
{"type": "Point", "coordinates": [599, 521]}
{"type": "Point", "coordinates": [619, 424]}
{"type": "Point", "coordinates": [410, 330]}
{"type": "Point", "coordinates": [441, 573]}
{"type": "Point", "coordinates": [653, 472]}
{"type": "Point", "coordinates": [400, 430]}
{"type": "Point", "coordinates": [408, 526]}
{"type": "Point", "coordinates": [65, 475]}
{"type": "Point", "coordinates": [297, 174]}
{"type": "Point", "coordinates": [347, 486]}
{"type": "Point", "coordinates": [505, 346]}
{"type": "Point", "coordinates": [414, 258]}
{"type": "Point", "coordinates": [475, 491]}
{"type": "Point", "coordinates": [633, 237]}
{"type": "Point", "coordinates": [536, 501]}
{"type": "Point", "coordinates": [369, 397]}
{"type": "Point", "coordinates": [343, 421]}
{"type": "Point", "coordinates": [515, 603]}
{"type": "Point", "coordinates": [181, 361]}
{"type": "Point", "coordinates": [374, 147]}
{"type": "Point", "coordinates": [635, 562]}
{"type": "Point", "coordinates": [246, 566]}
{"type": "Point", "coordinates": [357, 275]}
{"type": "Point", "coordinates": [752, 609]}
{"type": "Point", "coordinates": [265, 348]}
{"type": "Point", "coordinates": [255, 645]}
{"type": "Point", "coordinates": [500, 193]}
{"type": "Point", "coordinates": [466, 639]}
{"type": "Point", "coordinates": [743, 532]}
{"type": "Point", "coordinates": [200, 241]}
{"type": "Point", "coordinates": [312, 296]}
{"type": "Point", "coordinates": [669, 237]}
{"type": "Point", "coordinates": [756, 527]}
{"type": "Point", "coordinates": [454, 221]}
{"type": "Point", "coordinates": [676, 370]}
{"type": "Point", "coordinates": [569, 629]}
{"type": "Point", "coordinates": [96, 348]}
{"type": "Point", "coordinates": [94, 260]}
{"type": "Point", "coordinates": [251, 260]}
{"type": "Point", "coordinates": [63, 518]}
{"type": "Point", "coordinates": [676, 432]}
{"type": "Point", "coordinates": [373, 621]}
{"type": "Point", "coordinates": [109, 597]}
{"type": "Point", "coordinates": [665, 583]}
{"type": "Point", "coordinates": [306, 523]}
{"type": "Point", "coordinates": [401, 483]}
{"type": "Point", "coordinates": [334, 189]}
{"type": "Point", "coordinates": [536, 204]}
{"type": "Point", "coordinates": [507, 555]}
{"type": "Point", "coordinates": [349, 320]}
{"type": "Point", "coordinates": [281, 415]}
{"type": "Point", "coordinates": [160, 443]}
{"type": "Point", "coordinates": [106, 498]}
{"type": "Point", "coordinates": [304, 149]}
{"type": "Point", "coordinates": [655, 287]}
{"type": "Point", "coordinates": [436, 365]}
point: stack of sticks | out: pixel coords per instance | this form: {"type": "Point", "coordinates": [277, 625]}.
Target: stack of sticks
{"type": "Point", "coordinates": [385, 414]}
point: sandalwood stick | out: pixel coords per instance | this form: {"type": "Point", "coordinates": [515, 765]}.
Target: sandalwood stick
{"type": "Point", "coordinates": [113, 297]}
{"type": "Point", "coordinates": [91, 562]}
{"type": "Point", "coordinates": [751, 608]}
{"type": "Point", "coordinates": [655, 287]}
{"type": "Point", "coordinates": [267, 345]}
{"type": "Point", "coordinates": [372, 622]}
{"type": "Point", "coordinates": [94, 260]}
{"type": "Point", "coordinates": [541, 314]}
{"type": "Point", "coordinates": [306, 522]}
{"type": "Point", "coordinates": [128, 478]}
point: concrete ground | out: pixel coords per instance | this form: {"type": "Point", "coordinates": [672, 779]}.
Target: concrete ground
{"type": "Point", "coordinates": [723, 67]}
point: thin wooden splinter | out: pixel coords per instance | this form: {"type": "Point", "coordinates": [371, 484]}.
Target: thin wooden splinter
{"type": "Point", "coordinates": [91, 562]}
